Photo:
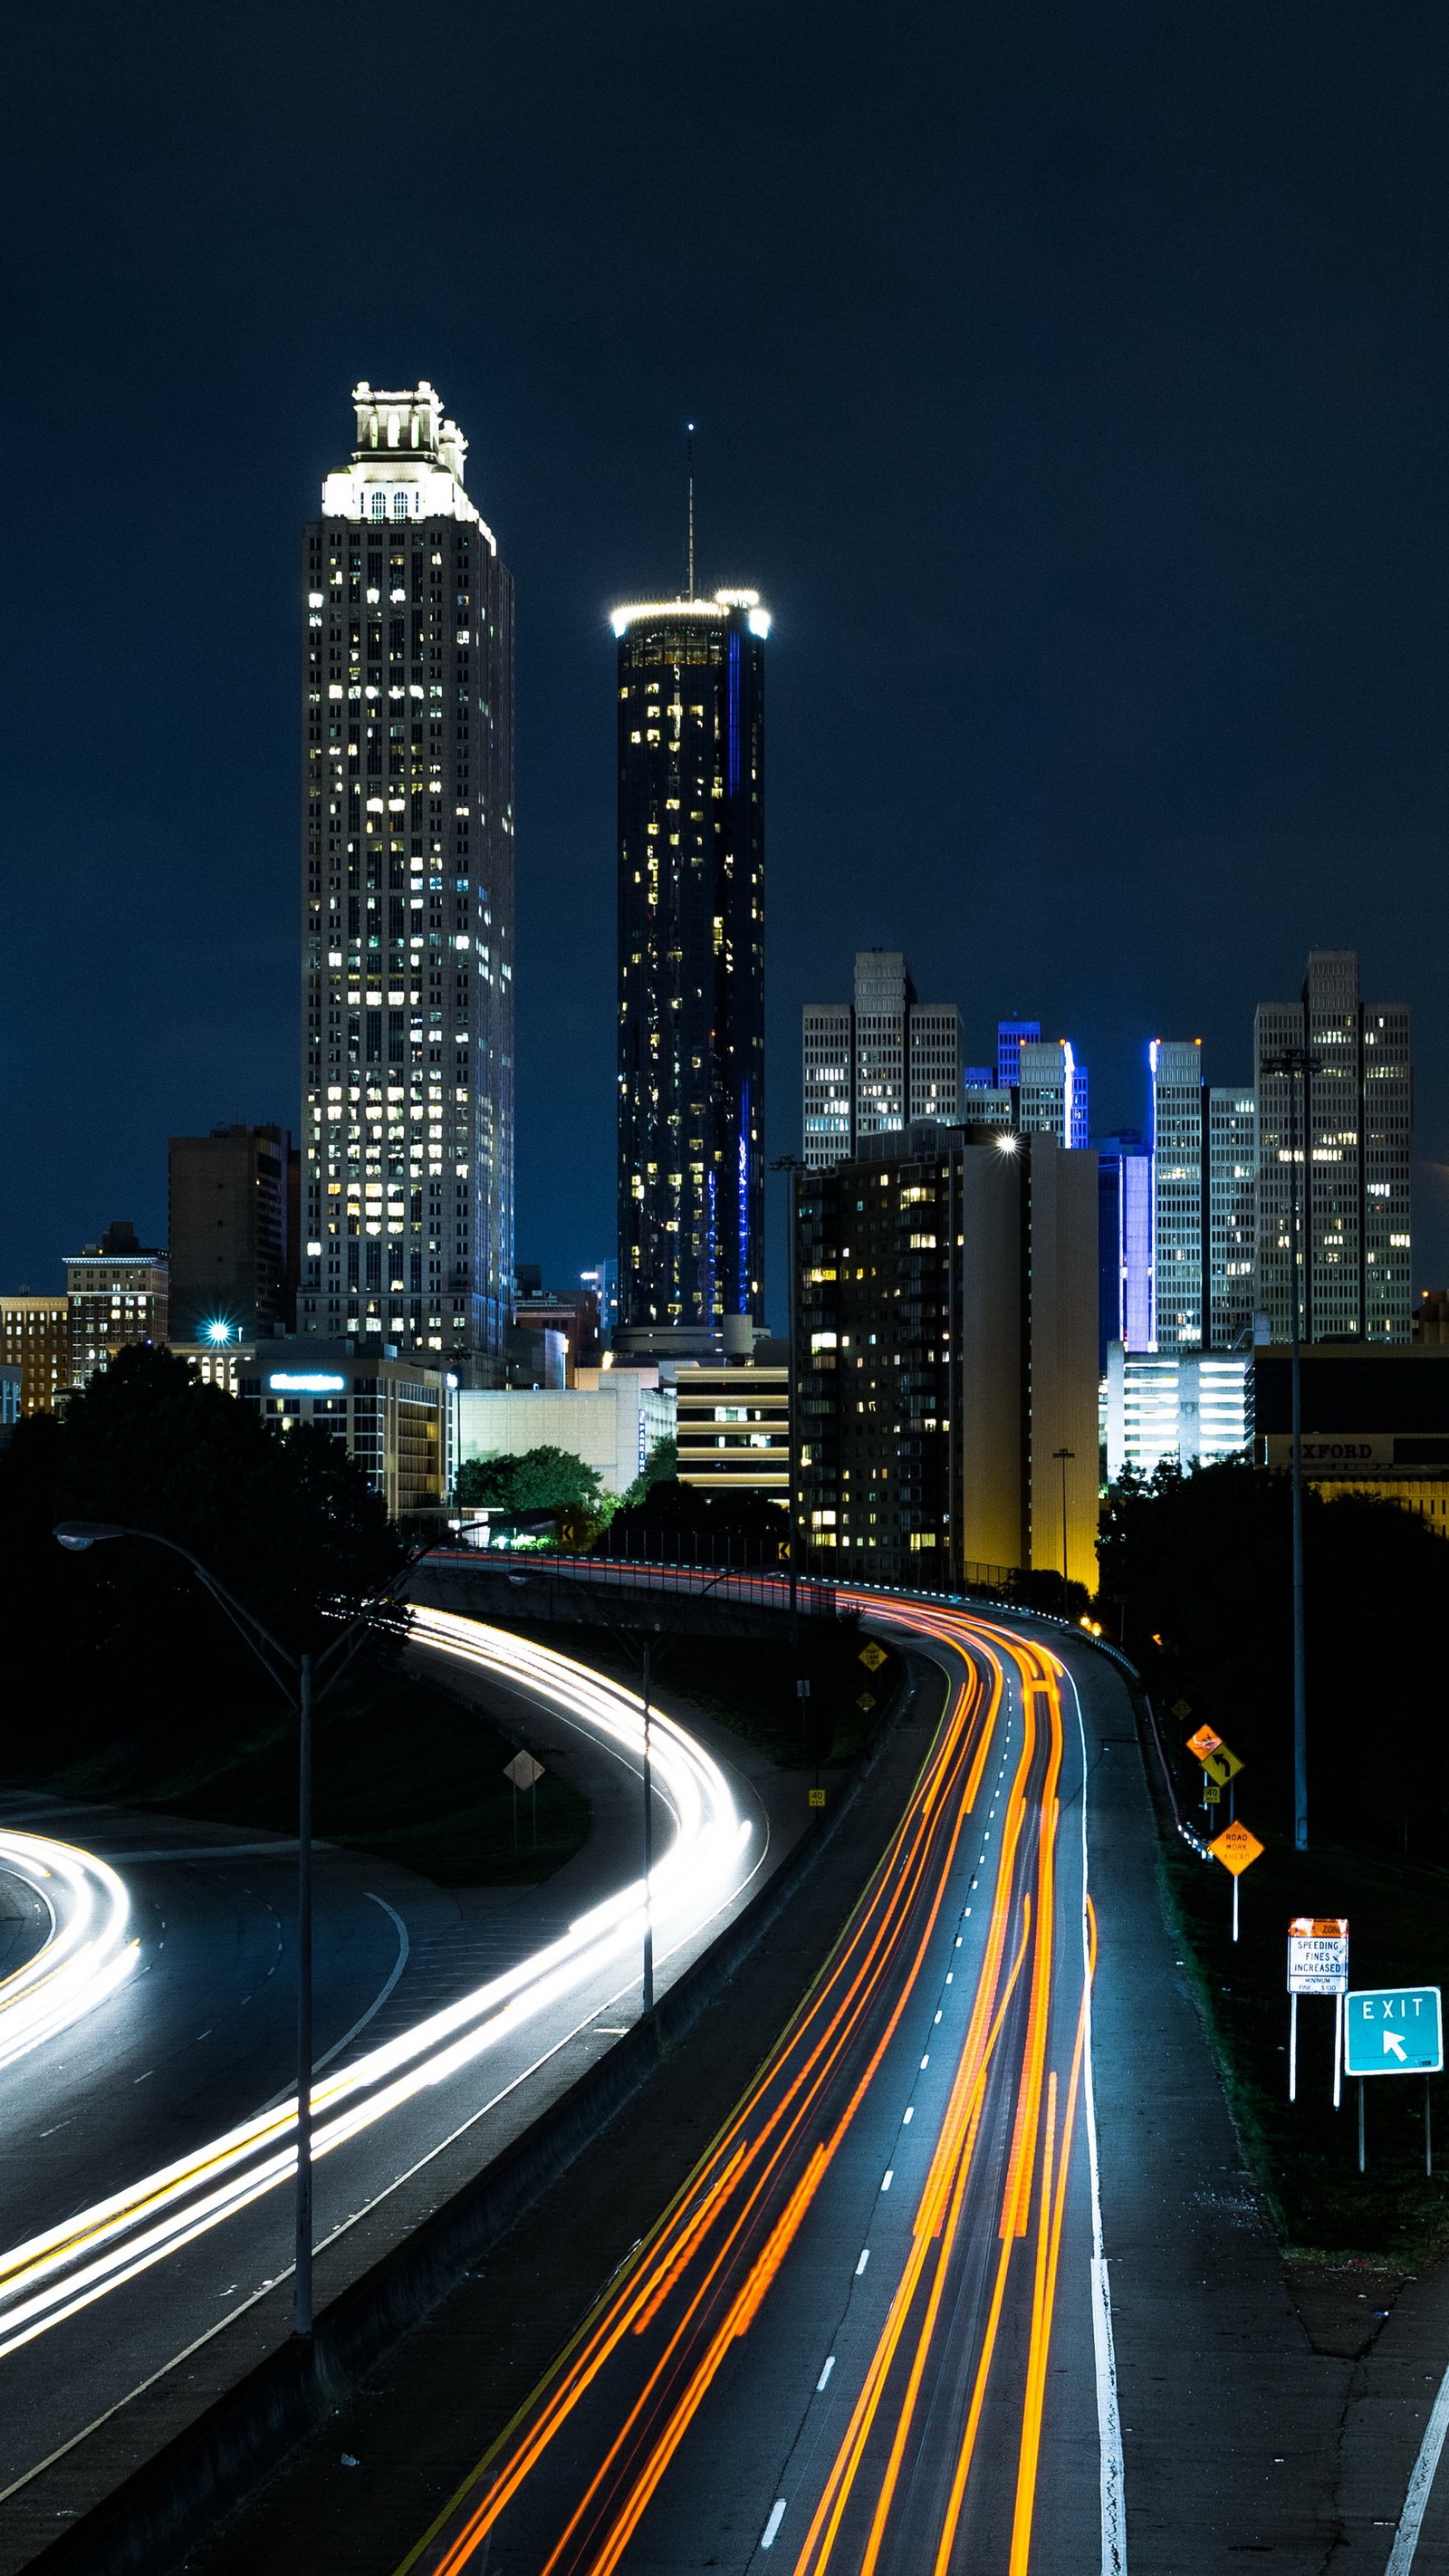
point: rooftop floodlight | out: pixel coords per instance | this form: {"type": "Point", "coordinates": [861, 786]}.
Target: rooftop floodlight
{"type": "Point", "coordinates": [79, 1534]}
{"type": "Point", "coordinates": [1006, 1141]}
{"type": "Point", "coordinates": [219, 1331]}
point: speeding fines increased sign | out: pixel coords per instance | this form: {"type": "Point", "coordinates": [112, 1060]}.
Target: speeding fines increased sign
{"type": "Point", "coordinates": [1317, 1965]}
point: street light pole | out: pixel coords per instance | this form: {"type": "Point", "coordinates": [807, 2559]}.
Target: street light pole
{"type": "Point", "coordinates": [1297, 1063]}
{"type": "Point", "coordinates": [1064, 1459]}
{"type": "Point", "coordinates": [295, 1679]}
{"type": "Point", "coordinates": [648, 1986]}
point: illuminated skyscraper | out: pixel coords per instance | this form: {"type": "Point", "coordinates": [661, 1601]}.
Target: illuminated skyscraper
{"type": "Point", "coordinates": [407, 901]}
{"type": "Point", "coordinates": [691, 965]}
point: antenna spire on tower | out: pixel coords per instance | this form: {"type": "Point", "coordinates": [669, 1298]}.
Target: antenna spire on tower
{"type": "Point", "coordinates": [689, 473]}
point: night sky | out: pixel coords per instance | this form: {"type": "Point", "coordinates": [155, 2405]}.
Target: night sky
{"type": "Point", "coordinates": [1071, 380]}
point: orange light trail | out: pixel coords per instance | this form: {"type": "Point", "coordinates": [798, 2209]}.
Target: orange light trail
{"type": "Point", "coordinates": [701, 2278]}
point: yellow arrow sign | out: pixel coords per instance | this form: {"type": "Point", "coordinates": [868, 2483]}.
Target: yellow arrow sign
{"type": "Point", "coordinates": [1222, 1765]}
{"type": "Point", "coordinates": [1236, 1848]}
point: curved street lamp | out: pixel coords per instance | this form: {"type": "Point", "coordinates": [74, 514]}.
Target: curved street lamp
{"type": "Point", "coordinates": [295, 1676]}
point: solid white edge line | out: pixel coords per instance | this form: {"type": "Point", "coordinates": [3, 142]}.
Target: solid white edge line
{"type": "Point", "coordinates": [1421, 2480]}
{"type": "Point", "coordinates": [404, 1947]}
{"type": "Point", "coordinates": [1109, 2414]}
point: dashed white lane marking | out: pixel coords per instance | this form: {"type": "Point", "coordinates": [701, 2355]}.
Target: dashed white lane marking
{"type": "Point", "coordinates": [777, 2516]}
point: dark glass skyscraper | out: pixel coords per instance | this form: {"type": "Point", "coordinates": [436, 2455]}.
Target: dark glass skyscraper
{"type": "Point", "coordinates": [691, 962]}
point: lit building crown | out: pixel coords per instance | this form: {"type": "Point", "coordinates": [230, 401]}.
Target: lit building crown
{"type": "Point", "coordinates": [408, 462]}
{"type": "Point", "coordinates": [757, 618]}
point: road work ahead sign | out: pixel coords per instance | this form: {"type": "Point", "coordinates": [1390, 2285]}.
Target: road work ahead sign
{"type": "Point", "coordinates": [1393, 2030]}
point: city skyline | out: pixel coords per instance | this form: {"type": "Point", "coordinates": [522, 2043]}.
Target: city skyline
{"type": "Point", "coordinates": [1020, 727]}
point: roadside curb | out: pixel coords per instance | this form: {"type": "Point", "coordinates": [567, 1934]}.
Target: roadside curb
{"type": "Point", "coordinates": [148, 2523]}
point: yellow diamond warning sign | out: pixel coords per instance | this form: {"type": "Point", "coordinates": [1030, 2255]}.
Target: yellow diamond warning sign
{"type": "Point", "coordinates": [1203, 1743]}
{"type": "Point", "coordinates": [1236, 1848]}
{"type": "Point", "coordinates": [872, 1656]}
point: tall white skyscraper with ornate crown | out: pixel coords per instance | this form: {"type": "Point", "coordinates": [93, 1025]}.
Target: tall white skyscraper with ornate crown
{"type": "Point", "coordinates": [407, 898]}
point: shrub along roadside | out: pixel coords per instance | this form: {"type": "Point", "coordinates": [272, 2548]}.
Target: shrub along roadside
{"type": "Point", "coordinates": [1306, 2153]}
{"type": "Point", "coordinates": [402, 1770]}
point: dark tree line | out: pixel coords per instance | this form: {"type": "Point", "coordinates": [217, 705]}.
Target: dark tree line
{"type": "Point", "coordinates": [122, 1644]}
{"type": "Point", "coordinates": [1198, 1569]}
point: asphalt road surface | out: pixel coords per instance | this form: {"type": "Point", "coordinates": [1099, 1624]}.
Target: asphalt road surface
{"type": "Point", "coordinates": [146, 2155]}
{"type": "Point", "coordinates": [871, 2333]}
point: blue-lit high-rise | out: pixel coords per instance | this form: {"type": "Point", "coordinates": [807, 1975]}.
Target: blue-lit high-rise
{"type": "Point", "coordinates": [691, 717]}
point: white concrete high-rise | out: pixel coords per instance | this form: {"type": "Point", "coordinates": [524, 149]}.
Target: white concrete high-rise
{"type": "Point", "coordinates": [1176, 1094]}
{"type": "Point", "coordinates": [407, 898]}
{"type": "Point", "coordinates": [873, 1065]}
{"type": "Point", "coordinates": [1232, 1199]}
{"type": "Point", "coordinates": [1052, 1092]}
{"type": "Point", "coordinates": [1357, 1105]}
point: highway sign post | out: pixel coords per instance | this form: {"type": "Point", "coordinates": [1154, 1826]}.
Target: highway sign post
{"type": "Point", "coordinates": [1317, 1965]}
{"type": "Point", "coordinates": [1237, 1849]}
{"type": "Point", "coordinates": [524, 1773]}
{"type": "Point", "coordinates": [1394, 2030]}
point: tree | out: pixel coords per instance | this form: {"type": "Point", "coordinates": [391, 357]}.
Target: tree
{"type": "Point", "coordinates": [538, 1480]}
{"type": "Point", "coordinates": [660, 1467]}
{"type": "Point", "coordinates": [1202, 1563]}
{"type": "Point", "coordinates": [123, 1639]}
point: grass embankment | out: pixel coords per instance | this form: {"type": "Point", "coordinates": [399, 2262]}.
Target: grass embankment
{"type": "Point", "coordinates": [1306, 2154]}
{"type": "Point", "coordinates": [401, 1770]}
{"type": "Point", "coordinates": [748, 1683]}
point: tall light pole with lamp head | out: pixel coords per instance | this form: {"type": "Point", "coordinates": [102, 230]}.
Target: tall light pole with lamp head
{"type": "Point", "coordinates": [1064, 1459]}
{"type": "Point", "coordinates": [294, 1677]}
{"type": "Point", "coordinates": [1297, 1063]}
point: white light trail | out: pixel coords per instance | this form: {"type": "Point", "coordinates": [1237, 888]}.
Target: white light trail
{"type": "Point", "coordinates": [86, 1953]}
{"type": "Point", "coordinates": [53, 2275]}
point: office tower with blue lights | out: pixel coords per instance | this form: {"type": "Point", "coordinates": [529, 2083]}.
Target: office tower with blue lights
{"type": "Point", "coordinates": [691, 736]}
{"type": "Point", "coordinates": [1051, 1091]}
{"type": "Point", "coordinates": [407, 900]}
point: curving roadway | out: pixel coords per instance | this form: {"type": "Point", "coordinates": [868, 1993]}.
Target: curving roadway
{"type": "Point", "coordinates": [102, 2289]}
{"type": "Point", "coordinates": [872, 2332]}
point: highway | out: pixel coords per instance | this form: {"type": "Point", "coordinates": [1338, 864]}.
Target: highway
{"type": "Point", "coordinates": [116, 2259]}
{"type": "Point", "coordinates": [871, 2332]}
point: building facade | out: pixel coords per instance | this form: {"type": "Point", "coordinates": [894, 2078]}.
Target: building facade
{"type": "Point", "coordinates": [1232, 1213]}
{"type": "Point", "coordinates": [1357, 1107]}
{"type": "Point", "coordinates": [390, 1413]}
{"type": "Point", "coordinates": [233, 1240]}
{"type": "Point", "coordinates": [407, 898]}
{"type": "Point", "coordinates": [612, 1418]}
{"type": "Point", "coordinates": [733, 1428]}
{"type": "Point", "coordinates": [691, 930]}
{"type": "Point", "coordinates": [1178, 1408]}
{"type": "Point", "coordinates": [875, 1063]}
{"type": "Point", "coordinates": [947, 1355]}
{"type": "Point", "coordinates": [1051, 1093]}
{"type": "Point", "coordinates": [118, 1292]}
{"type": "Point", "coordinates": [35, 1339]}
{"type": "Point", "coordinates": [1374, 1421]}
{"type": "Point", "coordinates": [1176, 1094]}
{"type": "Point", "coordinates": [1125, 1290]}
